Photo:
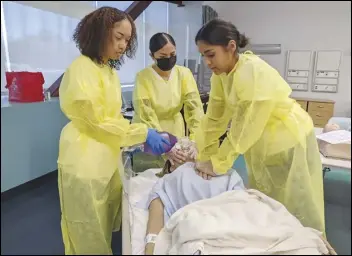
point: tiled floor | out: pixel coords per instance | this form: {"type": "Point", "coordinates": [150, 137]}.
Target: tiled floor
{"type": "Point", "coordinates": [30, 222]}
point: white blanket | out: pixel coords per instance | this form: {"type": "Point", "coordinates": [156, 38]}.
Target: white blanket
{"type": "Point", "coordinates": [237, 222]}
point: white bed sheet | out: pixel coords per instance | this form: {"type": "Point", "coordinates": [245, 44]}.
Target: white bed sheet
{"type": "Point", "coordinates": [139, 188]}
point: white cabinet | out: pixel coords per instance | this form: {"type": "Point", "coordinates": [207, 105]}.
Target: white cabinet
{"type": "Point", "coordinates": [298, 68]}
{"type": "Point", "coordinates": [326, 71]}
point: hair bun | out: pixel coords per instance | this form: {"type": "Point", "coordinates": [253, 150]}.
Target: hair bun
{"type": "Point", "coordinates": [243, 42]}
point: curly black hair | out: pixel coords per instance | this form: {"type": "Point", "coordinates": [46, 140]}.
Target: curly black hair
{"type": "Point", "coordinates": [93, 31]}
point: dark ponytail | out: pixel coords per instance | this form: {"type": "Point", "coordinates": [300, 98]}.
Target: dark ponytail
{"type": "Point", "coordinates": [220, 32]}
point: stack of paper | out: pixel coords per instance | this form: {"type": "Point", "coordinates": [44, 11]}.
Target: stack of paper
{"type": "Point", "coordinates": [336, 137]}
{"type": "Point", "coordinates": [335, 144]}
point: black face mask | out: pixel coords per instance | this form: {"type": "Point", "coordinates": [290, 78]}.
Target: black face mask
{"type": "Point", "coordinates": [166, 64]}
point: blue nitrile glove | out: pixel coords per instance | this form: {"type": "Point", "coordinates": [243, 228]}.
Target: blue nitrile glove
{"type": "Point", "coordinates": [156, 142]}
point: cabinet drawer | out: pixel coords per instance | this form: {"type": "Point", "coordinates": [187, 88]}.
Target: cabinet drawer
{"type": "Point", "coordinates": [321, 107]}
{"type": "Point", "coordinates": [303, 103]}
{"type": "Point", "coordinates": [320, 119]}
{"type": "Point", "coordinates": [320, 123]}
{"type": "Point", "coordinates": [320, 114]}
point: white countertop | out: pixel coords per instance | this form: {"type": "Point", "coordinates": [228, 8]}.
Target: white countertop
{"type": "Point", "coordinates": [6, 104]}
{"type": "Point", "coordinates": [331, 162]}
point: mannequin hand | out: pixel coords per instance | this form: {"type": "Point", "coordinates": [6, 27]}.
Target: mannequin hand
{"type": "Point", "coordinates": [205, 169]}
{"type": "Point", "coordinates": [176, 156]}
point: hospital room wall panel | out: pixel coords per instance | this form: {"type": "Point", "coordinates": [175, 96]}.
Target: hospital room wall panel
{"type": "Point", "coordinates": [298, 25]}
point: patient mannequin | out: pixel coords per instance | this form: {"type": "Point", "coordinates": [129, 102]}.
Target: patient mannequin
{"type": "Point", "coordinates": [185, 146]}
{"type": "Point", "coordinates": [331, 127]}
{"type": "Point", "coordinates": [180, 185]}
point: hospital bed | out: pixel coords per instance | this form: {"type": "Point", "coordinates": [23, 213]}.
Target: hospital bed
{"type": "Point", "coordinates": [126, 233]}
{"type": "Point", "coordinates": [126, 230]}
{"type": "Point", "coordinates": [134, 219]}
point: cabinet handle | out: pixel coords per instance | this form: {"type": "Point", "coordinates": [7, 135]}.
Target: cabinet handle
{"type": "Point", "coordinates": [320, 106]}
{"type": "Point", "coordinates": [318, 115]}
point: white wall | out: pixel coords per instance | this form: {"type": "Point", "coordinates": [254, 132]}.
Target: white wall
{"type": "Point", "coordinates": [298, 25]}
